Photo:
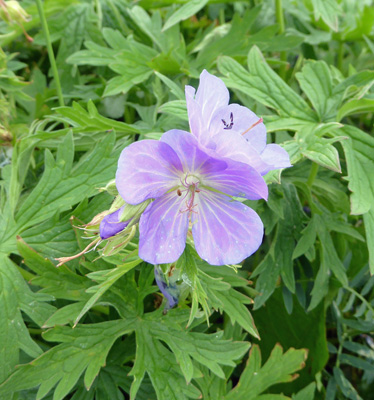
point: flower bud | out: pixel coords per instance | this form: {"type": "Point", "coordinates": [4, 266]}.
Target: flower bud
{"type": "Point", "coordinates": [169, 289]}
{"type": "Point", "coordinates": [12, 12]}
{"type": "Point", "coordinates": [111, 188]}
{"type": "Point", "coordinates": [135, 212]}
{"type": "Point", "coordinates": [111, 224]}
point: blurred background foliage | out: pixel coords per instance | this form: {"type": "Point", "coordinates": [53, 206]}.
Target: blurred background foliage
{"type": "Point", "coordinates": [306, 67]}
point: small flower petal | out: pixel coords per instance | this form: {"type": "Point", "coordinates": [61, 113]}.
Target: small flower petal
{"type": "Point", "coordinates": [110, 225]}
{"type": "Point", "coordinates": [211, 95]}
{"type": "Point", "coordinates": [194, 113]}
{"type": "Point", "coordinates": [147, 169]}
{"type": "Point", "coordinates": [240, 121]}
{"type": "Point", "coordinates": [163, 230]}
{"type": "Point", "coordinates": [224, 231]}
{"type": "Point", "coordinates": [236, 148]}
{"type": "Point", "coordinates": [275, 157]}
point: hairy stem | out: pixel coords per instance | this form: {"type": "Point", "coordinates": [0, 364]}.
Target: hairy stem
{"type": "Point", "coordinates": [51, 55]}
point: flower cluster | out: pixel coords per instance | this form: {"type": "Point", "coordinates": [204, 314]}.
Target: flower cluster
{"type": "Point", "coordinates": [193, 177]}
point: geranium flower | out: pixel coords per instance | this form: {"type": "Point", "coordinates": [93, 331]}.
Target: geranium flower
{"type": "Point", "coordinates": [232, 131]}
{"type": "Point", "coordinates": [190, 185]}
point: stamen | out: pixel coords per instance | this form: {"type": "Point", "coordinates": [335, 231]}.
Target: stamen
{"type": "Point", "coordinates": [253, 125]}
{"type": "Point", "coordinates": [190, 203]}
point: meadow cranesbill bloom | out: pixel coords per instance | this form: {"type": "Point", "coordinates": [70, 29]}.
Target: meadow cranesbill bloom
{"type": "Point", "coordinates": [231, 130]}
{"type": "Point", "coordinates": [111, 224]}
{"type": "Point", "coordinates": [194, 186]}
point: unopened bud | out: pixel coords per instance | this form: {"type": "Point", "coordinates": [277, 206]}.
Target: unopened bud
{"type": "Point", "coordinates": [135, 212]}
{"type": "Point", "coordinates": [111, 225]}
{"type": "Point", "coordinates": [12, 12]}
{"type": "Point", "coordinates": [111, 188]}
{"type": "Point", "coordinates": [117, 203]}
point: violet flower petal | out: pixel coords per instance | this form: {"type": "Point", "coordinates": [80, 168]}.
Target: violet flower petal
{"type": "Point", "coordinates": [236, 148]}
{"type": "Point", "coordinates": [188, 150]}
{"type": "Point", "coordinates": [211, 95]}
{"type": "Point", "coordinates": [147, 169]}
{"type": "Point", "coordinates": [194, 114]}
{"type": "Point", "coordinates": [228, 176]}
{"type": "Point", "coordinates": [224, 231]}
{"type": "Point", "coordinates": [275, 157]}
{"type": "Point", "coordinates": [238, 120]}
{"type": "Point", "coordinates": [110, 225]}
{"type": "Point", "coordinates": [238, 179]}
{"type": "Point", "coordinates": [163, 230]}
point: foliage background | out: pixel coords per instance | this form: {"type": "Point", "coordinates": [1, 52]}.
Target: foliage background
{"type": "Point", "coordinates": [307, 67]}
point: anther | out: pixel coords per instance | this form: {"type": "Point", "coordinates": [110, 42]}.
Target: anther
{"type": "Point", "coordinates": [228, 126]}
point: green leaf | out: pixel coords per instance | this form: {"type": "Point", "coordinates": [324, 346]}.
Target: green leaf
{"type": "Point", "coordinates": [359, 150]}
{"type": "Point", "coordinates": [91, 120]}
{"type": "Point", "coordinates": [176, 108]}
{"type": "Point", "coordinates": [355, 107]}
{"type": "Point", "coordinates": [302, 329]}
{"type": "Point", "coordinates": [186, 11]}
{"type": "Point", "coordinates": [208, 349]}
{"type": "Point", "coordinates": [174, 88]}
{"type": "Point", "coordinates": [229, 43]}
{"type": "Point", "coordinates": [346, 387]}
{"type": "Point", "coordinates": [369, 230]}
{"type": "Point", "coordinates": [106, 278]}
{"type": "Point", "coordinates": [307, 240]}
{"type": "Point", "coordinates": [322, 152]}
{"type": "Point", "coordinates": [329, 256]}
{"type": "Point", "coordinates": [316, 81]}
{"type": "Point", "coordinates": [256, 379]}
{"type": "Point", "coordinates": [306, 394]}
{"type": "Point", "coordinates": [128, 58]}
{"type": "Point", "coordinates": [329, 11]}
{"type": "Point", "coordinates": [61, 186]}
{"type": "Point", "coordinates": [265, 86]}
{"type": "Point", "coordinates": [221, 296]}
{"type": "Point", "coordinates": [83, 349]}
{"type": "Point", "coordinates": [62, 283]}
{"type": "Point", "coordinates": [16, 296]}
{"type": "Point", "coordinates": [160, 364]}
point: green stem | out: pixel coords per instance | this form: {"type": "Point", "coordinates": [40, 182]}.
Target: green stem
{"type": "Point", "coordinates": [340, 55]}
{"type": "Point", "coordinates": [359, 296]}
{"type": "Point", "coordinates": [280, 20]}
{"type": "Point", "coordinates": [118, 17]}
{"type": "Point", "coordinates": [99, 14]}
{"type": "Point", "coordinates": [312, 174]}
{"type": "Point", "coordinates": [51, 55]}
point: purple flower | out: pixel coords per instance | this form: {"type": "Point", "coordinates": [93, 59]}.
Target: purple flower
{"type": "Point", "coordinates": [110, 225]}
{"type": "Point", "coordinates": [190, 185]}
{"type": "Point", "coordinates": [232, 131]}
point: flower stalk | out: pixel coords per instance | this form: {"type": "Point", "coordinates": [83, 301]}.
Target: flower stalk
{"type": "Point", "coordinates": [51, 55]}
{"type": "Point", "coordinates": [280, 20]}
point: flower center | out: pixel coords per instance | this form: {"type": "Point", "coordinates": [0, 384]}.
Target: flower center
{"type": "Point", "coordinates": [190, 186]}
